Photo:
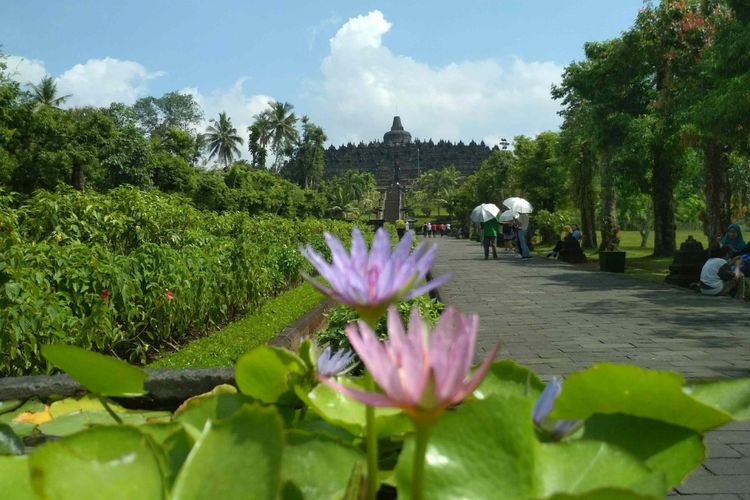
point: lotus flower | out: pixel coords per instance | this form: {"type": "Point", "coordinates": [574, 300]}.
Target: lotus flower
{"type": "Point", "coordinates": [371, 282]}
{"type": "Point", "coordinates": [335, 364]}
{"type": "Point", "coordinates": [420, 372]}
{"type": "Point", "coordinates": [543, 406]}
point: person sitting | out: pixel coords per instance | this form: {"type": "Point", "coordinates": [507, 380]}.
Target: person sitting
{"type": "Point", "coordinates": [718, 277]}
{"type": "Point", "coordinates": [576, 232]}
{"type": "Point", "coordinates": [567, 232]}
{"type": "Point", "coordinates": [733, 239]}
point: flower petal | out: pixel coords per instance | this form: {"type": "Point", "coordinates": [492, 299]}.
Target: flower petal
{"type": "Point", "coordinates": [368, 398]}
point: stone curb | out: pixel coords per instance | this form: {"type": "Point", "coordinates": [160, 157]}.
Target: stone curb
{"type": "Point", "coordinates": [310, 322]}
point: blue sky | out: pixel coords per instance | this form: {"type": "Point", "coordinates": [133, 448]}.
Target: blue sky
{"type": "Point", "coordinates": [476, 69]}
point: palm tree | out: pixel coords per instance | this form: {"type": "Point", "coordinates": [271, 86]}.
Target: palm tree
{"type": "Point", "coordinates": [260, 135]}
{"type": "Point", "coordinates": [222, 140]}
{"type": "Point", "coordinates": [45, 93]}
{"type": "Point", "coordinates": [282, 123]}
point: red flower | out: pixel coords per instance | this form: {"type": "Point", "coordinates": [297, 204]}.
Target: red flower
{"type": "Point", "coordinates": [105, 294]}
{"type": "Point", "coordinates": [168, 294]}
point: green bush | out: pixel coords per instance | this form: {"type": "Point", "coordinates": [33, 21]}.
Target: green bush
{"type": "Point", "coordinates": [130, 271]}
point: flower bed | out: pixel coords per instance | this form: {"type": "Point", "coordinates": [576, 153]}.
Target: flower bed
{"type": "Point", "coordinates": [128, 271]}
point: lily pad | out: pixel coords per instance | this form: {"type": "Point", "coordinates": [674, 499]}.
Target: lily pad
{"type": "Point", "coordinates": [9, 405]}
{"type": "Point", "coordinates": [732, 396]}
{"type": "Point", "coordinates": [98, 373]}
{"type": "Point", "coordinates": [15, 479]}
{"type": "Point", "coordinates": [509, 378]}
{"type": "Point", "coordinates": [608, 389]}
{"type": "Point", "coordinates": [117, 462]}
{"type": "Point", "coordinates": [672, 450]}
{"type": "Point", "coordinates": [236, 458]}
{"type": "Point", "coordinates": [10, 443]}
{"type": "Point", "coordinates": [266, 373]}
{"type": "Point", "coordinates": [343, 411]}
{"type": "Point", "coordinates": [317, 465]}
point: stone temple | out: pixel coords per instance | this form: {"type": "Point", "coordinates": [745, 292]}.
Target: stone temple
{"type": "Point", "coordinates": [398, 155]}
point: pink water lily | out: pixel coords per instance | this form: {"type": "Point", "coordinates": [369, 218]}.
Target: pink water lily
{"type": "Point", "coordinates": [370, 282]}
{"type": "Point", "coordinates": [419, 371]}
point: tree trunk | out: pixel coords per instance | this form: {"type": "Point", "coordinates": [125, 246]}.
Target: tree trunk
{"type": "Point", "coordinates": [716, 171]}
{"type": "Point", "coordinates": [77, 179]}
{"type": "Point", "coordinates": [644, 237]}
{"type": "Point", "coordinates": [665, 231]}
{"type": "Point", "coordinates": [609, 207]}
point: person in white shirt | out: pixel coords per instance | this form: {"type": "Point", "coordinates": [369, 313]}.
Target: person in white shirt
{"type": "Point", "coordinates": [718, 277]}
{"type": "Point", "coordinates": [523, 228]}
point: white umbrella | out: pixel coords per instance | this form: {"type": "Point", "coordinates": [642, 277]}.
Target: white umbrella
{"type": "Point", "coordinates": [484, 212]}
{"type": "Point", "coordinates": [519, 205]}
{"type": "Point", "coordinates": [508, 216]}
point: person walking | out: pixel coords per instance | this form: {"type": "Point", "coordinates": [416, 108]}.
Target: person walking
{"type": "Point", "coordinates": [489, 233]}
{"type": "Point", "coordinates": [442, 229]}
{"type": "Point", "coordinates": [428, 229]}
{"type": "Point", "coordinates": [523, 230]}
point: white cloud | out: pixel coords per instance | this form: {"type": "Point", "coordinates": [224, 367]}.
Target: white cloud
{"type": "Point", "coordinates": [364, 84]}
{"type": "Point", "coordinates": [241, 108]}
{"type": "Point", "coordinates": [99, 82]}
{"type": "Point", "coordinates": [25, 70]}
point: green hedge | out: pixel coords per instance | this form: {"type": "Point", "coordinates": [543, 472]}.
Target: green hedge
{"type": "Point", "coordinates": [129, 271]}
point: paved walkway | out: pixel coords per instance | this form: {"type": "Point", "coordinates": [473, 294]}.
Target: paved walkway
{"type": "Point", "coordinates": [556, 318]}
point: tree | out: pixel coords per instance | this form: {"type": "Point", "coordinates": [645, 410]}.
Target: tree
{"type": "Point", "coordinates": [157, 115]}
{"type": "Point", "coordinates": [283, 132]}
{"type": "Point", "coordinates": [260, 135]}
{"type": "Point", "coordinates": [539, 175]}
{"type": "Point", "coordinates": [307, 163]}
{"type": "Point", "coordinates": [222, 140]}
{"type": "Point", "coordinates": [45, 93]}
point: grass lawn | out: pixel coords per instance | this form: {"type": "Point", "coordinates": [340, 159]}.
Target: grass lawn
{"type": "Point", "coordinates": [639, 261]}
{"type": "Point", "coordinates": [223, 348]}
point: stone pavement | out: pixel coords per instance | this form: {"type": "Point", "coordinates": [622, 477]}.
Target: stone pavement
{"type": "Point", "coordinates": [556, 318]}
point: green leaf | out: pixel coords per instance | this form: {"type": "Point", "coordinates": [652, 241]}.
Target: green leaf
{"type": "Point", "coordinates": [317, 465]}
{"type": "Point", "coordinates": [116, 462]}
{"type": "Point", "coordinates": [582, 466]}
{"type": "Point", "coordinates": [509, 378]}
{"type": "Point", "coordinates": [221, 403]}
{"type": "Point", "coordinates": [731, 396]}
{"type": "Point", "coordinates": [76, 421]}
{"type": "Point", "coordinates": [482, 449]}
{"type": "Point", "coordinates": [176, 442]}
{"type": "Point", "coordinates": [345, 412]}
{"type": "Point", "coordinates": [10, 443]}
{"type": "Point", "coordinates": [265, 372]}
{"type": "Point", "coordinates": [608, 389]}
{"type": "Point", "coordinates": [672, 450]}
{"type": "Point", "coordinates": [15, 479]}
{"type": "Point", "coordinates": [239, 457]}
{"type": "Point", "coordinates": [22, 428]}
{"type": "Point", "coordinates": [98, 373]}
{"type": "Point", "coordinates": [9, 405]}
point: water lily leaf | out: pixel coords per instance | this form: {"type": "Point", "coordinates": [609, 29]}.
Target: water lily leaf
{"type": "Point", "coordinates": [345, 412]}
{"type": "Point", "coordinates": [176, 442]}
{"type": "Point", "coordinates": [608, 389]}
{"type": "Point", "coordinates": [221, 405]}
{"type": "Point", "coordinates": [732, 396]}
{"type": "Point", "coordinates": [581, 466]}
{"type": "Point", "coordinates": [200, 398]}
{"type": "Point", "coordinates": [672, 450]}
{"type": "Point", "coordinates": [9, 405]}
{"type": "Point", "coordinates": [10, 443]}
{"type": "Point", "coordinates": [482, 449]}
{"type": "Point", "coordinates": [84, 403]}
{"type": "Point", "coordinates": [117, 462]}
{"type": "Point", "coordinates": [15, 480]}
{"type": "Point", "coordinates": [265, 372]}
{"type": "Point", "coordinates": [507, 377]}
{"type": "Point", "coordinates": [317, 465]}
{"type": "Point", "coordinates": [236, 458]}
{"type": "Point", "coordinates": [98, 373]}
{"type": "Point", "coordinates": [77, 421]}
{"type": "Point", "coordinates": [22, 428]}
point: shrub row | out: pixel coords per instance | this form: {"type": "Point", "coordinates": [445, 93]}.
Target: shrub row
{"type": "Point", "coordinates": [129, 271]}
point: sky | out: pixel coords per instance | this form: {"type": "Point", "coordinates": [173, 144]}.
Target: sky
{"type": "Point", "coordinates": [470, 70]}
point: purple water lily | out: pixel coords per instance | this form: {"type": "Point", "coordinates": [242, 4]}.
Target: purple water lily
{"type": "Point", "coordinates": [334, 364]}
{"type": "Point", "coordinates": [421, 372]}
{"type": "Point", "coordinates": [370, 282]}
{"type": "Point", "coordinates": [543, 406]}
